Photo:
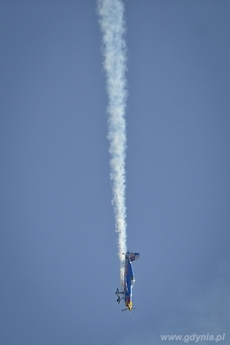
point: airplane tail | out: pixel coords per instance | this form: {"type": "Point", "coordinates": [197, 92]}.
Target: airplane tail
{"type": "Point", "coordinates": [134, 256]}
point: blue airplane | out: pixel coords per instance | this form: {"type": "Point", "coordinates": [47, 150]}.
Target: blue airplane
{"type": "Point", "coordinates": [129, 281]}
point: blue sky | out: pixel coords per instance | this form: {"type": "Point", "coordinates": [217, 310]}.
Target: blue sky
{"type": "Point", "coordinates": [59, 264]}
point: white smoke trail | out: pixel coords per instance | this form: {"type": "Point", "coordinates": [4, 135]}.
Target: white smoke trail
{"type": "Point", "coordinates": [111, 13]}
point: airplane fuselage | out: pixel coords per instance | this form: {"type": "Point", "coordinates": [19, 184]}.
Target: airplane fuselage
{"type": "Point", "coordinates": [129, 280]}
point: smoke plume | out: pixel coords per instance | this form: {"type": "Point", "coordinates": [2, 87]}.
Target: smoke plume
{"type": "Point", "coordinates": [111, 14]}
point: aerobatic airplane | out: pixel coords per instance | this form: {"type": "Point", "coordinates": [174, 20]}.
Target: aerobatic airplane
{"type": "Point", "coordinates": [129, 281]}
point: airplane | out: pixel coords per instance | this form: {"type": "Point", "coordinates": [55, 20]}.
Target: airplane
{"type": "Point", "coordinates": [129, 281]}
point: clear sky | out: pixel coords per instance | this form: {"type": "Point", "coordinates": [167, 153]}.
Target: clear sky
{"type": "Point", "coordinates": [59, 263]}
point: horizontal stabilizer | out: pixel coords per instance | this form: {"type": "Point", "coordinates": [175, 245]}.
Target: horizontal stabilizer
{"type": "Point", "coordinates": [134, 256]}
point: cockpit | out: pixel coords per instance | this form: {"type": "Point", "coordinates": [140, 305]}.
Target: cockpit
{"type": "Point", "coordinates": [132, 281]}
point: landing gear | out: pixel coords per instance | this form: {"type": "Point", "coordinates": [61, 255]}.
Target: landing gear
{"type": "Point", "coordinates": [119, 298]}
